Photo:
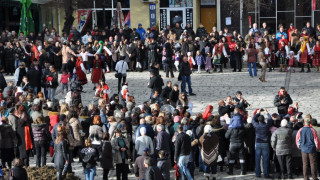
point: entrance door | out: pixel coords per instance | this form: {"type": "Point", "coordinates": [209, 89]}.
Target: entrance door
{"type": "Point", "coordinates": [176, 15]}
{"type": "Point", "coordinates": [208, 18]}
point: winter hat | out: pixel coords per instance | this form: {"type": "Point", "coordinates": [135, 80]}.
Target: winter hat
{"type": "Point", "coordinates": [284, 123]}
{"type": "Point", "coordinates": [177, 119]}
{"type": "Point", "coordinates": [50, 104]}
{"type": "Point", "coordinates": [207, 129]}
{"type": "Point", "coordinates": [189, 133]}
{"type": "Point", "coordinates": [189, 53]}
{"type": "Point", "coordinates": [143, 131]}
{"type": "Point", "coordinates": [36, 101]}
{"type": "Point", "coordinates": [146, 149]}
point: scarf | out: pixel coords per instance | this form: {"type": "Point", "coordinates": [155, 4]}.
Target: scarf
{"type": "Point", "coordinates": [303, 46]}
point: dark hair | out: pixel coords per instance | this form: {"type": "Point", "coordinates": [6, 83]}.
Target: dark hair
{"type": "Point", "coordinates": [180, 128]}
{"type": "Point", "coordinates": [313, 122]}
{"type": "Point", "coordinates": [148, 161]}
{"type": "Point", "coordinates": [175, 112]}
{"type": "Point", "coordinates": [261, 118]}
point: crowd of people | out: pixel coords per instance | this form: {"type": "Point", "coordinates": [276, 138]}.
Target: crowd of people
{"type": "Point", "coordinates": [152, 138]}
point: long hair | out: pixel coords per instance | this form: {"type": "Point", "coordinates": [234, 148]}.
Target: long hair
{"type": "Point", "coordinates": [61, 136]}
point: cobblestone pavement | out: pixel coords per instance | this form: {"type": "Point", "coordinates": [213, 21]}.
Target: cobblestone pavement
{"type": "Point", "coordinates": [303, 88]}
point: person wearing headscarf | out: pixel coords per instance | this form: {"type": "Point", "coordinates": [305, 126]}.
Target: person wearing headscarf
{"type": "Point", "coordinates": [207, 112]}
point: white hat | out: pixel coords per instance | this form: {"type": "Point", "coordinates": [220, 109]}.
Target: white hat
{"type": "Point", "coordinates": [36, 101]}
{"type": "Point", "coordinates": [189, 133]}
{"type": "Point", "coordinates": [143, 131]}
{"type": "Point", "coordinates": [284, 123]}
{"type": "Point", "coordinates": [249, 119]}
{"type": "Point", "coordinates": [207, 129]}
{"type": "Point", "coordinates": [50, 104]}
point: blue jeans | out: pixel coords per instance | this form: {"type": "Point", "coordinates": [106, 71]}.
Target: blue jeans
{"type": "Point", "coordinates": [183, 169]}
{"type": "Point", "coordinates": [201, 165]}
{"type": "Point", "coordinates": [16, 63]}
{"type": "Point", "coordinates": [262, 149]}
{"type": "Point", "coordinates": [210, 169]}
{"type": "Point", "coordinates": [35, 90]}
{"type": "Point", "coordinates": [186, 79]}
{"type": "Point", "coordinates": [254, 68]}
{"type": "Point", "coordinates": [90, 173]}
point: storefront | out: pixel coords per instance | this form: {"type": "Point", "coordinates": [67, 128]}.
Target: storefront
{"type": "Point", "coordinates": [176, 11]}
{"type": "Point", "coordinates": [273, 12]}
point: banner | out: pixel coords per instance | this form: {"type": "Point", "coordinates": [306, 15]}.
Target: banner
{"type": "Point", "coordinates": [313, 4]}
{"type": "Point", "coordinates": [26, 21]}
{"type": "Point", "coordinates": [152, 14]}
{"type": "Point", "coordinates": [83, 17]}
{"type": "Point", "coordinates": [127, 19]}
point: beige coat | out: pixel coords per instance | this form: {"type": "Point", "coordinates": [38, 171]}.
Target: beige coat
{"type": "Point", "coordinates": [117, 152]}
{"type": "Point", "coordinates": [76, 127]}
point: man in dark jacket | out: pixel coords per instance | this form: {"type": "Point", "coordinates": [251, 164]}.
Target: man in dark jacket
{"type": "Point", "coordinates": [139, 168]}
{"type": "Point", "coordinates": [281, 142]}
{"type": "Point", "coordinates": [34, 77]}
{"type": "Point", "coordinates": [236, 137]}
{"type": "Point", "coordinates": [156, 83]}
{"type": "Point", "coordinates": [307, 140]}
{"type": "Point", "coordinates": [262, 141]}
{"type": "Point", "coordinates": [178, 30]}
{"type": "Point", "coordinates": [52, 81]}
{"type": "Point", "coordinates": [152, 172]}
{"type": "Point", "coordinates": [185, 73]}
{"type": "Point", "coordinates": [162, 140]}
{"type": "Point", "coordinates": [224, 109]}
{"type": "Point", "coordinates": [282, 101]}
{"type": "Point", "coordinates": [240, 102]}
{"type": "Point", "coordinates": [201, 31]}
{"type": "Point", "coordinates": [174, 95]}
{"type": "Point", "coordinates": [165, 93]}
{"type": "Point", "coordinates": [182, 152]}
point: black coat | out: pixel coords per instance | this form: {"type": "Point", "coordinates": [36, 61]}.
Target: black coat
{"type": "Point", "coordinates": [153, 173]}
{"type": "Point", "coordinates": [3, 82]}
{"type": "Point", "coordinates": [182, 145]}
{"type": "Point", "coordinates": [235, 135]}
{"type": "Point", "coordinates": [185, 69]}
{"type": "Point", "coordinates": [19, 173]}
{"type": "Point", "coordinates": [225, 109]}
{"type": "Point", "coordinates": [106, 156]}
{"type": "Point", "coordinates": [34, 77]}
{"type": "Point", "coordinates": [156, 83]}
{"type": "Point", "coordinates": [174, 96]}
{"type": "Point", "coordinates": [165, 94]}
{"type": "Point", "coordinates": [282, 108]}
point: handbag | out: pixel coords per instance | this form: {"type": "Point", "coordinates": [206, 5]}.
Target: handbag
{"type": "Point", "coordinates": [119, 75]}
{"type": "Point", "coordinates": [245, 57]}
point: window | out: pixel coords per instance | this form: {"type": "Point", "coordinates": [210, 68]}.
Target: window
{"type": "Point", "coordinates": [285, 18]}
{"type": "Point", "coordinates": [271, 24]}
{"type": "Point", "coordinates": [285, 5]}
{"type": "Point", "coordinates": [303, 7]}
{"type": "Point", "coordinates": [267, 8]}
{"type": "Point", "coordinates": [175, 3]}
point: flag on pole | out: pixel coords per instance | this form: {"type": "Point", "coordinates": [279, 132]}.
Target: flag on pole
{"type": "Point", "coordinates": [26, 21]}
{"type": "Point", "coordinates": [313, 4]}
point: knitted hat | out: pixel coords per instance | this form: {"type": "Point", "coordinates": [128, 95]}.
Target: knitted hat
{"type": "Point", "coordinates": [177, 119]}
{"type": "Point", "coordinates": [284, 123]}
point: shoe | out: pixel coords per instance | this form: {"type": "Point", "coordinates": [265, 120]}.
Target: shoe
{"type": "Point", "coordinates": [260, 79]}
{"type": "Point", "coordinates": [230, 173]}
{"type": "Point", "coordinates": [267, 177]}
{"type": "Point", "coordinates": [234, 71]}
{"type": "Point", "coordinates": [192, 94]}
{"type": "Point", "coordinates": [94, 88]}
{"type": "Point", "coordinates": [290, 177]}
{"type": "Point", "coordinates": [293, 71]}
{"type": "Point", "coordinates": [243, 173]}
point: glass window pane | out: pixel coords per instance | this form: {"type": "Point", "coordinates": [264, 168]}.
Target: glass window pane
{"type": "Point", "coordinates": [285, 18]}
{"type": "Point", "coordinates": [303, 8]}
{"type": "Point", "coordinates": [316, 20]}
{"type": "Point", "coordinates": [165, 3]}
{"type": "Point", "coordinates": [124, 3]}
{"type": "Point", "coordinates": [285, 5]}
{"type": "Point", "coordinates": [271, 24]}
{"type": "Point", "coordinates": [267, 8]}
{"type": "Point", "coordinates": [301, 22]}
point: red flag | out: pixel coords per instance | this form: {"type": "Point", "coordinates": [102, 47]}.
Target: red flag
{"type": "Point", "coordinates": [313, 4]}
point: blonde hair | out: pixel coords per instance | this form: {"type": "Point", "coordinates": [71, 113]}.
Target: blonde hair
{"type": "Point", "coordinates": [87, 143]}
{"type": "Point", "coordinates": [64, 109]}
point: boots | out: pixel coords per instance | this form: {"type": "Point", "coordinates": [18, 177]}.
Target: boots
{"type": "Point", "coordinates": [281, 66]}
{"type": "Point", "coordinates": [59, 175]}
{"type": "Point", "coordinates": [230, 172]}
{"type": "Point", "coordinates": [308, 65]}
{"type": "Point", "coordinates": [302, 68]}
{"type": "Point", "coordinates": [207, 176]}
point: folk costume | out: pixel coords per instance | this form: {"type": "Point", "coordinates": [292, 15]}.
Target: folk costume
{"type": "Point", "coordinates": [81, 71]}
{"type": "Point", "coordinates": [217, 55]}
{"type": "Point", "coordinates": [96, 71]}
{"type": "Point", "coordinates": [304, 54]}
{"type": "Point", "coordinates": [103, 91]}
{"type": "Point", "coordinates": [282, 54]}
{"type": "Point", "coordinates": [316, 57]}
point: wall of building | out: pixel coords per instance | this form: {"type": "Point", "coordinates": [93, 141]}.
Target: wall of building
{"type": "Point", "coordinates": [139, 12]}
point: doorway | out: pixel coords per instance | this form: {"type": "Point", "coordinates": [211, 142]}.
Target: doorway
{"type": "Point", "coordinates": [176, 15]}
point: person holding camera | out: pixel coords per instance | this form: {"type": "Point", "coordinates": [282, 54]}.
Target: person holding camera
{"type": "Point", "coordinates": [282, 101]}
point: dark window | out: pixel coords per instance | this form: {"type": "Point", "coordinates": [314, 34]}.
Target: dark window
{"type": "Point", "coordinates": [285, 18]}
{"type": "Point", "coordinates": [271, 24]}
{"type": "Point", "coordinates": [285, 5]}
{"type": "Point", "coordinates": [303, 8]}
{"type": "Point", "coordinates": [301, 22]}
{"type": "Point", "coordinates": [267, 8]}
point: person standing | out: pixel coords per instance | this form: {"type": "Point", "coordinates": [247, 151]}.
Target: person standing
{"type": "Point", "coordinates": [120, 146]}
{"type": "Point", "coordinates": [252, 60]}
{"type": "Point", "coordinates": [52, 81]}
{"type": "Point", "coordinates": [60, 156]}
{"type": "Point", "coordinates": [20, 72]}
{"type": "Point", "coordinates": [304, 53]}
{"type": "Point", "coordinates": [41, 136]}
{"type": "Point", "coordinates": [308, 142]}
{"type": "Point", "coordinates": [81, 71]}
{"type": "Point", "coordinates": [281, 142]}
{"type": "Point", "coordinates": [7, 142]}
{"type": "Point", "coordinates": [89, 157]}
{"type": "Point", "coordinates": [282, 101]}
{"type": "Point", "coordinates": [121, 69]}
{"type": "Point", "coordinates": [169, 60]}
{"type": "Point", "coordinates": [106, 161]}
{"type": "Point", "coordinates": [209, 143]}
{"type": "Point", "coordinates": [185, 73]}
{"type": "Point", "coordinates": [155, 83]}
{"type": "Point", "coordinates": [152, 172]}
{"type": "Point", "coordinates": [34, 77]}
{"type": "Point", "coordinates": [263, 64]}
{"type": "Point", "coordinates": [182, 152]}
{"type": "Point", "coordinates": [66, 53]}
{"type": "Point", "coordinates": [262, 142]}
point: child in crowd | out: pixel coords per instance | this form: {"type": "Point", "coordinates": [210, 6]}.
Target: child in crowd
{"type": "Point", "coordinates": [84, 54]}
{"type": "Point", "coordinates": [291, 62]}
{"type": "Point", "coordinates": [176, 60]}
{"type": "Point", "coordinates": [208, 62]}
{"type": "Point", "coordinates": [199, 60]}
{"type": "Point", "coordinates": [64, 80]}
{"type": "Point", "coordinates": [164, 58]}
{"type": "Point", "coordinates": [191, 61]}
